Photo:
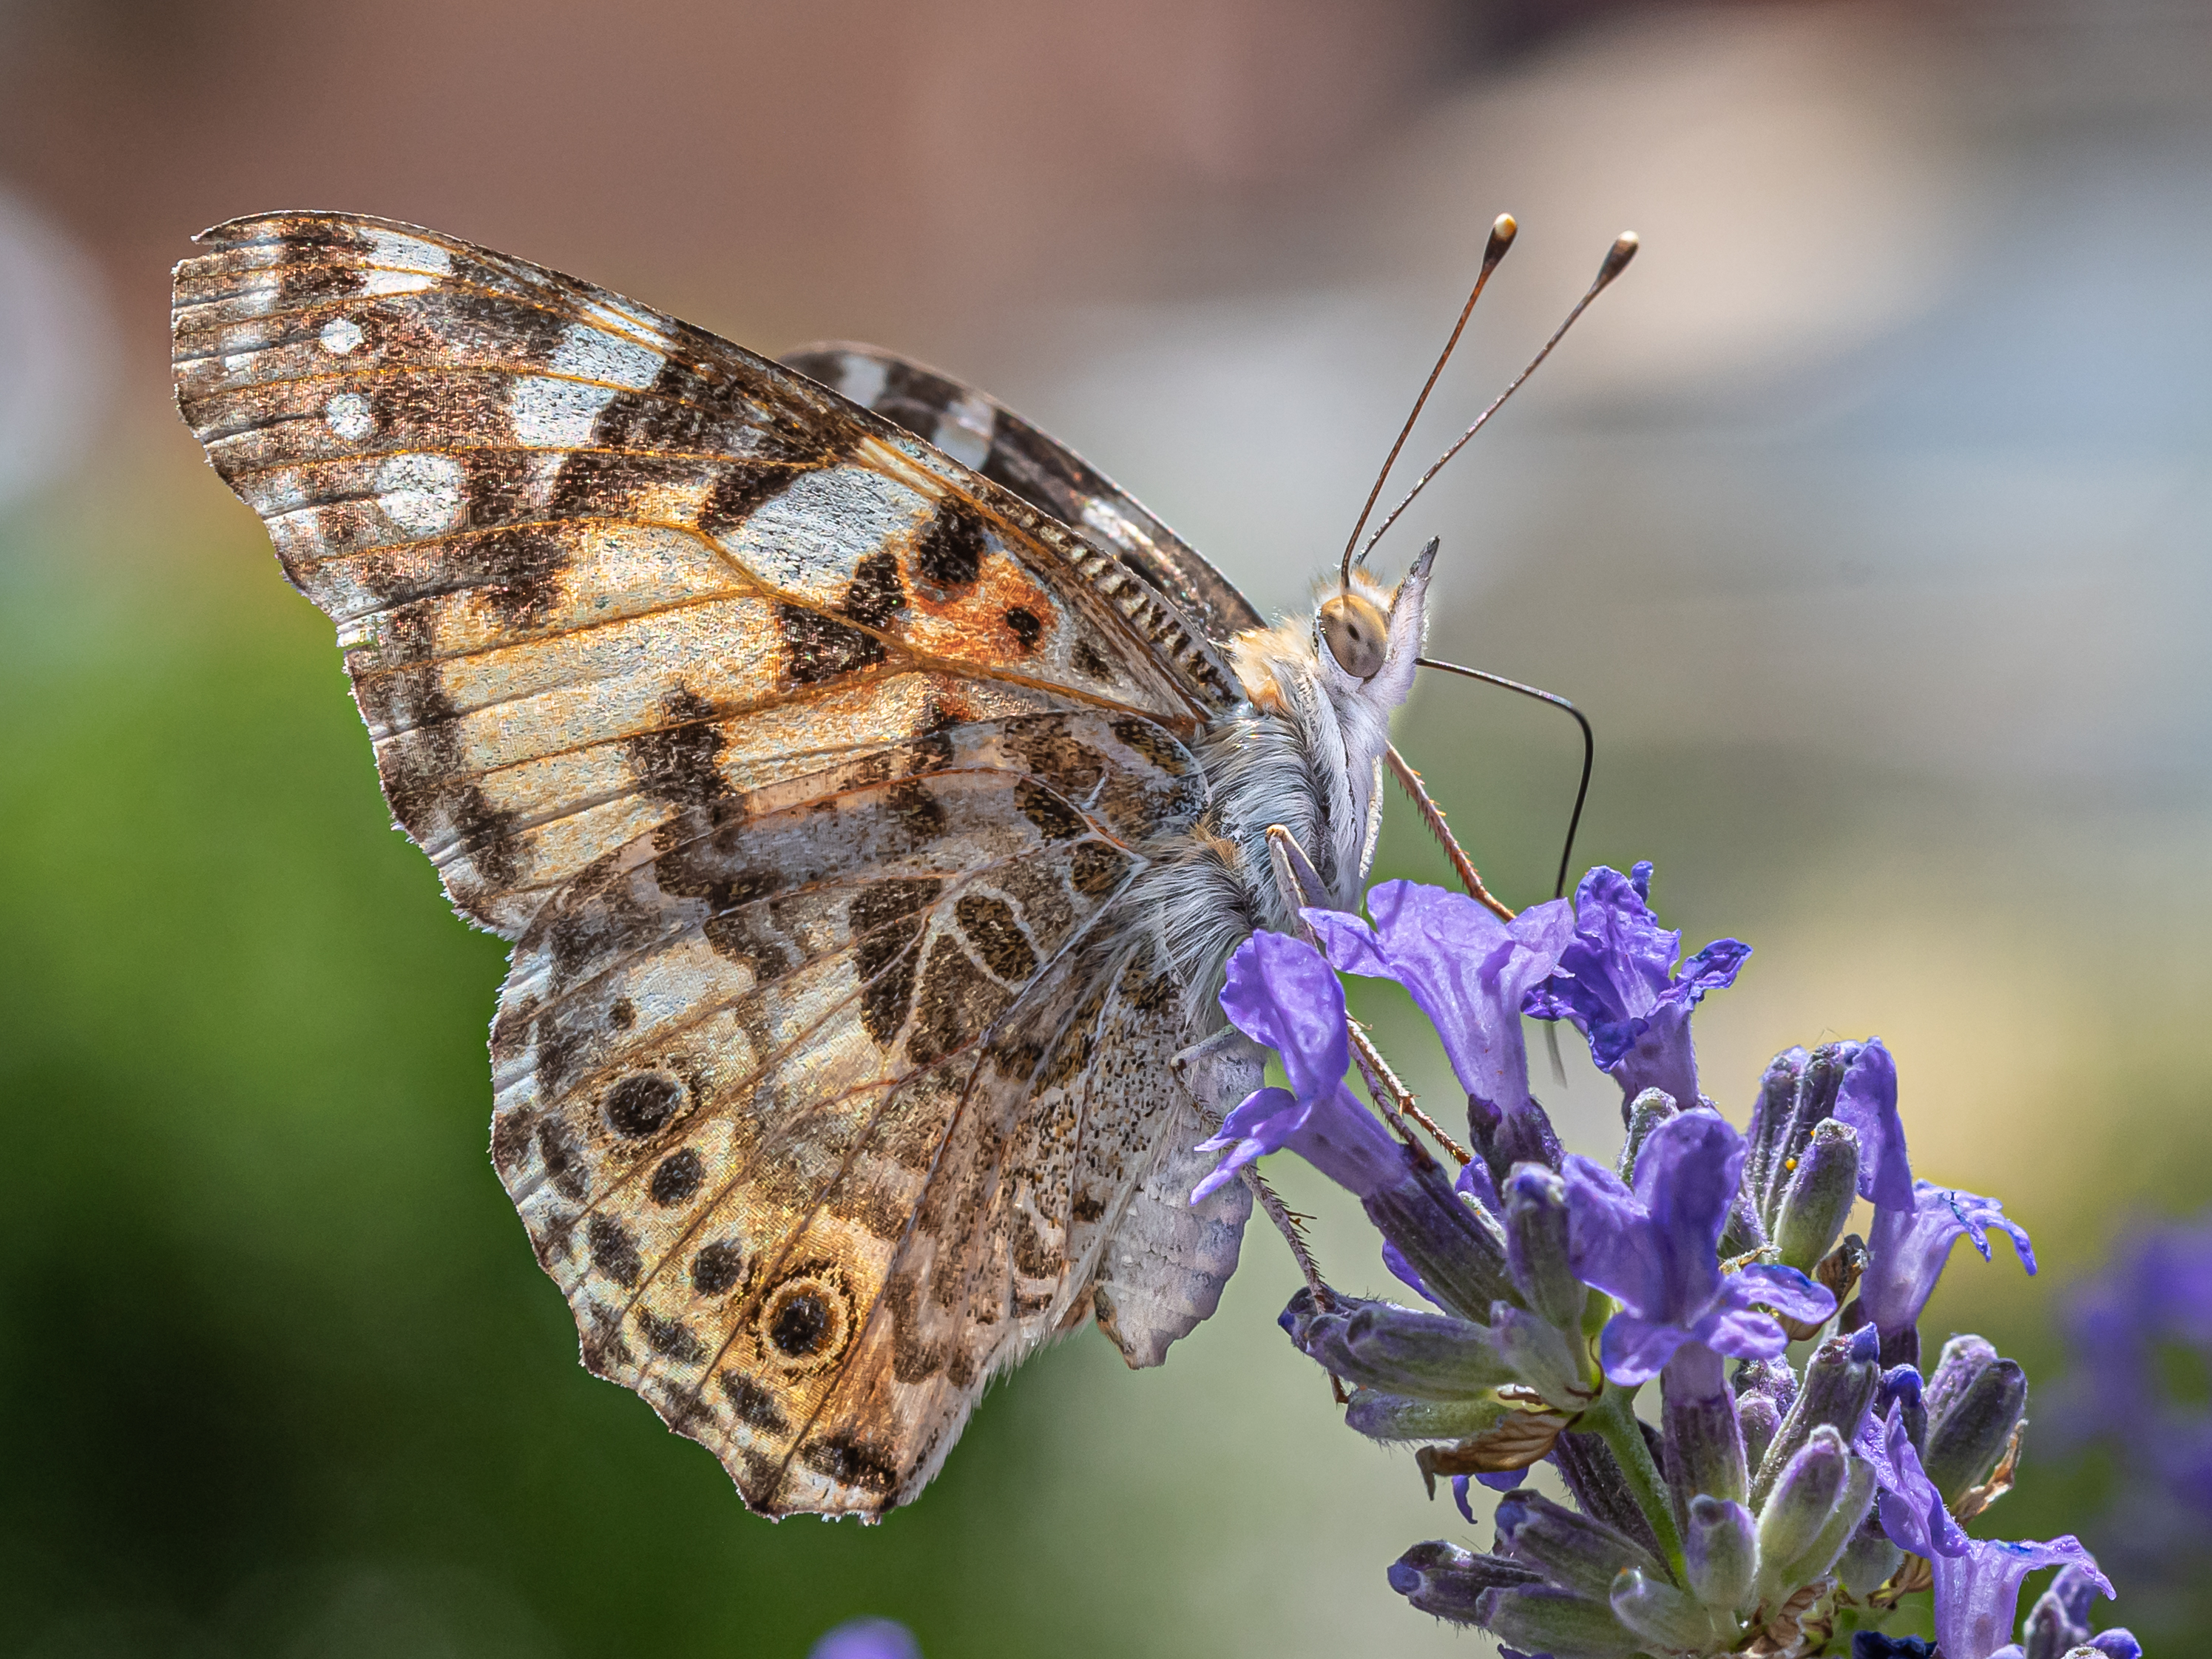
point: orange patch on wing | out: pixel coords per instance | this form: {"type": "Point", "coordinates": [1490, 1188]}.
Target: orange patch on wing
{"type": "Point", "coordinates": [1004, 620]}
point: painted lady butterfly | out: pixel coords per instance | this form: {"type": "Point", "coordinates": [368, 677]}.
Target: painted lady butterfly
{"type": "Point", "coordinates": [871, 791]}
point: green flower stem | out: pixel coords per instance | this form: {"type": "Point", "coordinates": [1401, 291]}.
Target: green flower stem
{"type": "Point", "coordinates": [1613, 1418]}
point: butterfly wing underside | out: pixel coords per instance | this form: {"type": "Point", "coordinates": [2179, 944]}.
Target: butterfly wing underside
{"type": "Point", "coordinates": [804, 767]}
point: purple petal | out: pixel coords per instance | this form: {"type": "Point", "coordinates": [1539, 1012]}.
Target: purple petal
{"type": "Point", "coordinates": [1465, 969]}
{"type": "Point", "coordinates": [1281, 994]}
{"type": "Point", "coordinates": [1633, 1350]}
{"type": "Point", "coordinates": [1713, 969]}
{"type": "Point", "coordinates": [1459, 1496]}
{"type": "Point", "coordinates": [1867, 1101]}
{"type": "Point", "coordinates": [1402, 1270]}
{"type": "Point", "coordinates": [1741, 1332]}
{"type": "Point", "coordinates": [1906, 1249]}
{"type": "Point", "coordinates": [1476, 1180]}
{"type": "Point", "coordinates": [1785, 1289]}
{"type": "Point", "coordinates": [866, 1638]}
{"type": "Point", "coordinates": [1686, 1175]}
{"type": "Point", "coordinates": [1912, 1511]}
{"type": "Point", "coordinates": [1606, 1230]}
{"type": "Point", "coordinates": [1263, 1123]}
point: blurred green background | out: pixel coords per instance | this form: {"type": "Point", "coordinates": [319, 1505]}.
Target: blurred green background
{"type": "Point", "coordinates": [1867, 517]}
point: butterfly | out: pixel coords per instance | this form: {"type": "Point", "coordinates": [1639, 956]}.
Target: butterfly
{"type": "Point", "coordinates": [871, 790]}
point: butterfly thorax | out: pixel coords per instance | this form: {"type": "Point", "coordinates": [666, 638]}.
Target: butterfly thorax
{"type": "Point", "coordinates": [1303, 751]}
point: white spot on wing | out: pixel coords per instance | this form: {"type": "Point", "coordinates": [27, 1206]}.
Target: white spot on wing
{"type": "Point", "coordinates": [420, 494]}
{"type": "Point", "coordinates": [806, 541]}
{"type": "Point", "coordinates": [396, 282]}
{"type": "Point", "coordinates": [589, 355]}
{"type": "Point", "coordinates": [238, 363]}
{"type": "Point", "coordinates": [350, 416]}
{"type": "Point", "coordinates": [964, 431]}
{"type": "Point", "coordinates": [408, 254]}
{"type": "Point", "coordinates": [341, 335]}
{"type": "Point", "coordinates": [555, 414]}
{"type": "Point", "coordinates": [861, 379]}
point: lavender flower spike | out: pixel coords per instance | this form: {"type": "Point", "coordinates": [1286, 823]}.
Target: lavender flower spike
{"type": "Point", "coordinates": [1466, 971]}
{"type": "Point", "coordinates": [1280, 993]}
{"type": "Point", "coordinates": [1619, 983]}
{"type": "Point", "coordinates": [1656, 1250]}
{"type": "Point", "coordinates": [1906, 1253]}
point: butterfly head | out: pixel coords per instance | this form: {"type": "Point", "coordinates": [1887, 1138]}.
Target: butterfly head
{"type": "Point", "coordinates": [1366, 636]}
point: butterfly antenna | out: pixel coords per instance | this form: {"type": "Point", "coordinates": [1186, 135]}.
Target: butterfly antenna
{"type": "Point", "coordinates": [1616, 261]}
{"type": "Point", "coordinates": [1503, 230]}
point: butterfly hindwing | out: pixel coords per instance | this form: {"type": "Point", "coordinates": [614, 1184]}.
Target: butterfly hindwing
{"type": "Point", "coordinates": [981, 433]}
{"type": "Point", "coordinates": [790, 1101]}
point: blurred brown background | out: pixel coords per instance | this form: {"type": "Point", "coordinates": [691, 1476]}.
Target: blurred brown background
{"type": "Point", "coordinates": [1867, 517]}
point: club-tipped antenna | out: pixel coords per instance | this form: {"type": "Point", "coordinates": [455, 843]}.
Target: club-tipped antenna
{"type": "Point", "coordinates": [1590, 748]}
{"type": "Point", "coordinates": [1502, 229]}
{"type": "Point", "coordinates": [1616, 261]}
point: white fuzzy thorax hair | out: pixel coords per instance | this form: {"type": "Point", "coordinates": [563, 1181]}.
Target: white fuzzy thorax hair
{"type": "Point", "coordinates": [1305, 751]}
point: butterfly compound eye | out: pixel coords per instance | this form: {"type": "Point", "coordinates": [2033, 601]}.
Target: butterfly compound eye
{"type": "Point", "coordinates": [1357, 634]}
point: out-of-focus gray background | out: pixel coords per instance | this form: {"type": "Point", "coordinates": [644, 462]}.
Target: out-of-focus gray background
{"type": "Point", "coordinates": [1867, 517]}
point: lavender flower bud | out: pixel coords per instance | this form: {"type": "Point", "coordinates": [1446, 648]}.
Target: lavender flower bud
{"type": "Point", "coordinates": [1900, 1387]}
{"type": "Point", "coordinates": [1867, 1559]}
{"type": "Point", "coordinates": [1819, 1195]}
{"type": "Point", "coordinates": [1813, 1099]}
{"type": "Point", "coordinates": [1765, 1390]}
{"type": "Point", "coordinates": [1380, 1415]}
{"type": "Point", "coordinates": [1720, 1544]}
{"type": "Point", "coordinates": [1593, 1475]}
{"type": "Point", "coordinates": [1540, 1620]}
{"type": "Point", "coordinates": [1852, 1507]}
{"type": "Point", "coordinates": [1840, 1379]}
{"type": "Point", "coordinates": [1453, 1246]}
{"type": "Point", "coordinates": [1803, 1498]}
{"type": "Point", "coordinates": [1380, 1345]}
{"type": "Point", "coordinates": [1644, 1113]}
{"type": "Point", "coordinates": [2113, 1644]}
{"type": "Point", "coordinates": [1572, 1551]}
{"type": "Point", "coordinates": [1449, 1582]}
{"type": "Point", "coordinates": [1974, 1403]}
{"type": "Point", "coordinates": [1770, 1118]}
{"type": "Point", "coordinates": [1704, 1445]}
{"type": "Point", "coordinates": [1536, 1245]}
{"type": "Point", "coordinates": [1669, 1620]}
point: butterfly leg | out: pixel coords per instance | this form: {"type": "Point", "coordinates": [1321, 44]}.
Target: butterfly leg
{"type": "Point", "coordinates": [1433, 815]}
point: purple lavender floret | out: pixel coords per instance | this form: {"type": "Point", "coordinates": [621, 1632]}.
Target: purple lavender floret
{"type": "Point", "coordinates": [1469, 973]}
{"type": "Point", "coordinates": [1907, 1248]}
{"type": "Point", "coordinates": [1977, 1580]}
{"type": "Point", "coordinates": [1281, 994]}
{"type": "Point", "coordinates": [1619, 983]}
{"type": "Point", "coordinates": [1654, 1250]}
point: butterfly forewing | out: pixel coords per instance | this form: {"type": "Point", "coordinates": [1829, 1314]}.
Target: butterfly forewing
{"type": "Point", "coordinates": [806, 767]}
{"type": "Point", "coordinates": [551, 524]}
